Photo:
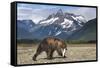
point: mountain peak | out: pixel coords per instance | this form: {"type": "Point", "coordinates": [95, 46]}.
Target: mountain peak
{"type": "Point", "coordinates": [59, 12]}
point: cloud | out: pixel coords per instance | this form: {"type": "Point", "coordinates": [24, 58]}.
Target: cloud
{"type": "Point", "coordinates": [88, 13]}
{"type": "Point", "coordinates": [34, 12]}
{"type": "Point", "coordinates": [38, 12]}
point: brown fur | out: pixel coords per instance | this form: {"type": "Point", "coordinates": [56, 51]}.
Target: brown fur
{"type": "Point", "coordinates": [49, 45]}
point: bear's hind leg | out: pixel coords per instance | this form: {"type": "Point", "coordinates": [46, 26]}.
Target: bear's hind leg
{"type": "Point", "coordinates": [36, 54]}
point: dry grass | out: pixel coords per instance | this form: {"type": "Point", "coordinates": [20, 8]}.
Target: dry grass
{"type": "Point", "coordinates": [75, 52]}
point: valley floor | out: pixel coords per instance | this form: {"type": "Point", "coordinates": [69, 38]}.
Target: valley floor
{"type": "Point", "coordinates": [75, 52]}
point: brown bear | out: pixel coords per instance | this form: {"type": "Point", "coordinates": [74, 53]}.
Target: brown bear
{"type": "Point", "coordinates": [49, 45]}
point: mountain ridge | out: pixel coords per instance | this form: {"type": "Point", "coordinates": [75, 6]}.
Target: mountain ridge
{"type": "Point", "coordinates": [87, 32]}
{"type": "Point", "coordinates": [59, 24]}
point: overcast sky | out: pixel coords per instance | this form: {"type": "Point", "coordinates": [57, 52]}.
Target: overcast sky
{"type": "Point", "coordinates": [38, 12]}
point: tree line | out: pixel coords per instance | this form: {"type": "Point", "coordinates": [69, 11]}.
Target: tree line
{"type": "Point", "coordinates": [35, 41]}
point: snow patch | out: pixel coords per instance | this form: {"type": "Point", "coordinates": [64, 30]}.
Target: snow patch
{"type": "Point", "coordinates": [59, 32]}
{"type": "Point", "coordinates": [55, 19]}
{"type": "Point", "coordinates": [80, 19]}
{"type": "Point", "coordinates": [74, 18]}
{"type": "Point", "coordinates": [47, 21]}
{"type": "Point", "coordinates": [49, 33]}
{"type": "Point", "coordinates": [67, 23]}
{"type": "Point", "coordinates": [56, 28]}
{"type": "Point", "coordinates": [50, 21]}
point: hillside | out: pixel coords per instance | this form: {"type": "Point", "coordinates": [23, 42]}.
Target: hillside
{"type": "Point", "coordinates": [87, 32]}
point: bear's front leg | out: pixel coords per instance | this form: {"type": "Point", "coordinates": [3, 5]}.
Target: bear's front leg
{"type": "Point", "coordinates": [63, 52]}
{"type": "Point", "coordinates": [59, 52]}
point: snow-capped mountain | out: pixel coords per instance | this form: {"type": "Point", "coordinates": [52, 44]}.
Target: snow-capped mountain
{"type": "Point", "coordinates": [58, 24]}
{"type": "Point", "coordinates": [66, 20]}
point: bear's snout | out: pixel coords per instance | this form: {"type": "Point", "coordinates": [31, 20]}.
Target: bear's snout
{"type": "Point", "coordinates": [63, 52]}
